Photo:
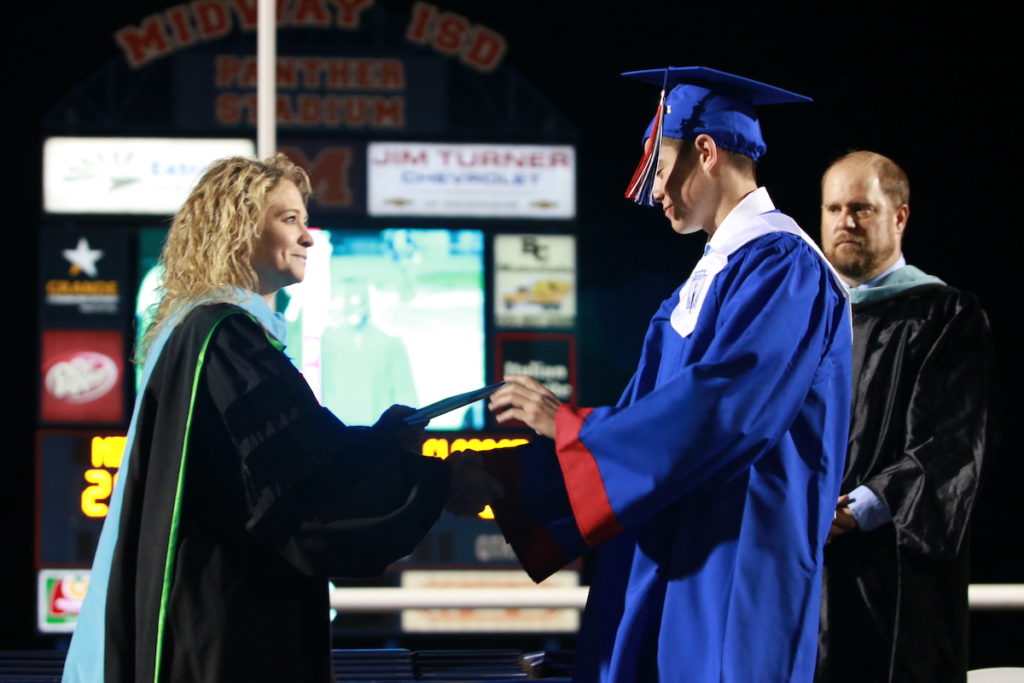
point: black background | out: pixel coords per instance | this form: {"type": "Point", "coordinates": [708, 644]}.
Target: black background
{"type": "Point", "coordinates": [935, 89]}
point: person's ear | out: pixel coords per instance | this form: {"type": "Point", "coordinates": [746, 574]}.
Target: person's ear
{"type": "Point", "coordinates": [902, 216]}
{"type": "Point", "coordinates": [708, 154]}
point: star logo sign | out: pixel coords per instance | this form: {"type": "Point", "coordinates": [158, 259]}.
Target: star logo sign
{"type": "Point", "coordinates": [82, 258]}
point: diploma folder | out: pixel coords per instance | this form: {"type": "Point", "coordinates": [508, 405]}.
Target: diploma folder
{"type": "Point", "coordinates": [426, 413]}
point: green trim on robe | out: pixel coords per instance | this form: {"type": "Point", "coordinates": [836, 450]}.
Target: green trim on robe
{"type": "Point", "coordinates": [176, 512]}
{"type": "Point", "coordinates": [894, 283]}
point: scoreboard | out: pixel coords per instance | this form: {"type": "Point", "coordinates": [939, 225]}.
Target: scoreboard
{"type": "Point", "coordinates": [403, 305]}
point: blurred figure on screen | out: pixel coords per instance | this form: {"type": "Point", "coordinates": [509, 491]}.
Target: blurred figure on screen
{"type": "Point", "coordinates": [364, 368]}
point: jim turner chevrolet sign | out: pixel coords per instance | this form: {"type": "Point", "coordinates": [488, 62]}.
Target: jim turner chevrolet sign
{"type": "Point", "coordinates": [501, 181]}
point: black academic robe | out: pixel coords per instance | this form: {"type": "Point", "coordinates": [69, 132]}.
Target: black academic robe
{"type": "Point", "coordinates": [220, 574]}
{"type": "Point", "coordinates": [894, 599]}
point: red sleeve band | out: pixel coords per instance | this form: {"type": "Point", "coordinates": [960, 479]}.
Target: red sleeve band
{"type": "Point", "coordinates": [587, 495]}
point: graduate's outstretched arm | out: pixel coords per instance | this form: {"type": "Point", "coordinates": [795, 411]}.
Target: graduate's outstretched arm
{"type": "Point", "coordinates": [525, 399]}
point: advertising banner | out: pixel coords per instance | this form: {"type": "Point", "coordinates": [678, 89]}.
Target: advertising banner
{"type": "Point", "coordinates": [84, 275]}
{"type": "Point", "coordinates": [498, 181]}
{"type": "Point", "coordinates": [548, 358]}
{"type": "Point", "coordinates": [138, 176]}
{"type": "Point", "coordinates": [59, 599]}
{"type": "Point", "coordinates": [534, 281]}
{"type": "Point", "coordinates": [82, 377]}
{"type": "Point", "coordinates": [512, 619]}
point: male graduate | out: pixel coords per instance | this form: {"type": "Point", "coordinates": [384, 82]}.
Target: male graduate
{"type": "Point", "coordinates": [895, 594]}
{"type": "Point", "coordinates": [711, 485]}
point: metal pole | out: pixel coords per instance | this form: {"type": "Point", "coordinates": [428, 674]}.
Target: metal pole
{"type": "Point", "coordinates": [266, 79]}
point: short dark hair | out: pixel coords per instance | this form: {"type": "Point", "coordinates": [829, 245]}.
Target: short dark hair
{"type": "Point", "coordinates": [892, 179]}
{"type": "Point", "coordinates": [744, 164]}
{"type": "Point", "coordinates": [740, 162]}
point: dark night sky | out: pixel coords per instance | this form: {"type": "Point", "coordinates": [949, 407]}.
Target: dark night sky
{"type": "Point", "coordinates": [907, 80]}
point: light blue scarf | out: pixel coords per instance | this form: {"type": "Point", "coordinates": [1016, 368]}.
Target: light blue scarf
{"type": "Point", "coordinates": [892, 284]}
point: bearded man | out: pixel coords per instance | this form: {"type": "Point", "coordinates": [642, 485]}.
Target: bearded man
{"type": "Point", "coordinates": [894, 599]}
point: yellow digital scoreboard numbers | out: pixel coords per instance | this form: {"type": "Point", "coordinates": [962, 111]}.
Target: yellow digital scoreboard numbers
{"type": "Point", "coordinates": [77, 474]}
{"type": "Point", "coordinates": [441, 448]}
{"type": "Point", "coordinates": [105, 456]}
{"type": "Point", "coordinates": [106, 452]}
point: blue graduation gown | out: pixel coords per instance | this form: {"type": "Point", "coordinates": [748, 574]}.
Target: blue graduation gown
{"type": "Point", "coordinates": [711, 485]}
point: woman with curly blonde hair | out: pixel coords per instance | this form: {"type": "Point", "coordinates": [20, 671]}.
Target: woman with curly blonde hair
{"type": "Point", "coordinates": [238, 494]}
{"type": "Point", "coordinates": [197, 261]}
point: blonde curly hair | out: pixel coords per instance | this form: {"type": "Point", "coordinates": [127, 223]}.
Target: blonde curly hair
{"type": "Point", "coordinates": [209, 248]}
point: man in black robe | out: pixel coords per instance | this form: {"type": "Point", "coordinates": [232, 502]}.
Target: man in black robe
{"type": "Point", "coordinates": [894, 600]}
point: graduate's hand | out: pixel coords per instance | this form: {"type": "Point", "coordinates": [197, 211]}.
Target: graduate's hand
{"type": "Point", "coordinates": [472, 486]}
{"type": "Point", "coordinates": [392, 424]}
{"type": "Point", "coordinates": [844, 522]}
{"type": "Point", "coordinates": [525, 399]}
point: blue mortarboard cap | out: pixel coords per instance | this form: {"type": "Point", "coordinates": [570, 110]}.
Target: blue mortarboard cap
{"type": "Point", "coordinates": [703, 100]}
